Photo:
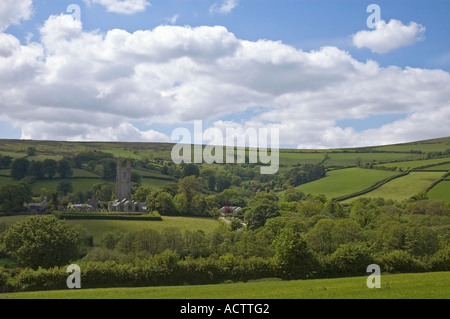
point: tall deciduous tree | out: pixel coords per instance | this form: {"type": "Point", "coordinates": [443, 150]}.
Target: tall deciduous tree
{"type": "Point", "coordinates": [64, 168]}
{"type": "Point", "coordinates": [19, 168]}
{"type": "Point", "coordinates": [41, 241]}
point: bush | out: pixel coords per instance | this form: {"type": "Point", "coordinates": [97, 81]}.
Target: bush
{"type": "Point", "coordinates": [3, 279]}
{"type": "Point", "coordinates": [440, 261]}
{"type": "Point", "coordinates": [41, 279]}
{"type": "Point", "coordinates": [351, 258]}
{"type": "Point", "coordinates": [398, 261]}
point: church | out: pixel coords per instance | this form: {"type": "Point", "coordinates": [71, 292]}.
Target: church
{"type": "Point", "coordinates": [123, 202]}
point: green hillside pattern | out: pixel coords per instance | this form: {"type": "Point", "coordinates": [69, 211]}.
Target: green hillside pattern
{"type": "Point", "coordinates": [345, 182]}
{"type": "Point", "coordinates": [406, 186]}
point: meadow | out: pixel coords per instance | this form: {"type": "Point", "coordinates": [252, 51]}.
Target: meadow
{"type": "Point", "coordinates": [398, 286]}
{"type": "Point", "coordinates": [405, 186]}
{"type": "Point", "coordinates": [406, 165]}
{"type": "Point", "coordinates": [440, 192]}
{"type": "Point", "coordinates": [98, 227]}
{"type": "Point", "coordinates": [345, 182]}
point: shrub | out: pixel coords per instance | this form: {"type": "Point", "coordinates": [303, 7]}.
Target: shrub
{"type": "Point", "coordinates": [351, 258]}
{"type": "Point", "coordinates": [440, 261]}
{"type": "Point", "coordinates": [3, 279]}
{"type": "Point", "coordinates": [398, 261]}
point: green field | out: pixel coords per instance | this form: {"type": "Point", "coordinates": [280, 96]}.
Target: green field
{"type": "Point", "coordinates": [404, 286]}
{"type": "Point", "coordinates": [406, 186]}
{"type": "Point", "coordinates": [443, 167]}
{"type": "Point", "coordinates": [78, 184]}
{"type": "Point", "coordinates": [345, 182]}
{"type": "Point", "coordinates": [440, 192]}
{"type": "Point", "coordinates": [439, 145]}
{"type": "Point", "coordinates": [350, 159]}
{"type": "Point", "coordinates": [98, 227]}
{"type": "Point", "coordinates": [414, 164]}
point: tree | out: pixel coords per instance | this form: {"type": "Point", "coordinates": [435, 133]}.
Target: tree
{"type": "Point", "coordinates": [64, 168]}
{"type": "Point", "coordinates": [141, 194]}
{"type": "Point", "coordinates": [191, 170]}
{"type": "Point", "coordinates": [41, 241]}
{"type": "Point", "coordinates": [292, 254]}
{"type": "Point", "coordinates": [5, 161]}
{"type": "Point", "coordinates": [12, 197]}
{"type": "Point", "coordinates": [223, 181]}
{"type": "Point", "coordinates": [351, 258]}
{"type": "Point", "coordinates": [109, 169]}
{"type": "Point", "coordinates": [103, 192]}
{"type": "Point", "coordinates": [31, 151]}
{"type": "Point", "coordinates": [19, 168]}
{"type": "Point", "coordinates": [49, 167]}
{"type": "Point", "coordinates": [164, 204]}
{"type": "Point", "coordinates": [260, 212]}
{"type": "Point", "coordinates": [190, 187]}
{"type": "Point", "coordinates": [36, 170]}
{"type": "Point", "coordinates": [65, 187]}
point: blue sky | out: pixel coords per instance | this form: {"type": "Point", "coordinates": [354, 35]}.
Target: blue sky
{"type": "Point", "coordinates": [305, 26]}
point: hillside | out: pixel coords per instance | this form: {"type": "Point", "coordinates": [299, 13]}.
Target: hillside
{"type": "Point", "coordinates": [375, 165]}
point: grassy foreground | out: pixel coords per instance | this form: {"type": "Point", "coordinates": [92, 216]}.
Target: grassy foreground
{"type": "Point", "coordinates": [400, 286]}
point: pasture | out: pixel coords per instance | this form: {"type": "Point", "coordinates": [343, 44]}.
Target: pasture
{"type": "Point", "coordinates": [345, 182]}
{"type": "Point", "coordinates": [440, 192]}
{"type": "Point", "coordinates": [398, 286]}
{"type": "Point", "coordinates": [405, 187]}
{"type": "Point", "coordinates": [98, 227]}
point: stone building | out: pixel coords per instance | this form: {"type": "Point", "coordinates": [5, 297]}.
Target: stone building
{"type": "Point", "coordinates": [123, 202]}
{"type": "Point", "coordinates": [123, 180]}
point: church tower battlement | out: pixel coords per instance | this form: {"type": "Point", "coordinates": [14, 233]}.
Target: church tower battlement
{"type": "Point", "coordinates": [123, 180]}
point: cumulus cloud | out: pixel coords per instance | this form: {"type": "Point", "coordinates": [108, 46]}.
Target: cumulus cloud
{"type": "Point", "coordinates": [389, 36]}
{"type": "Point", "coordinates": [14, 11]}
{"type": "Point", "coordinates": [78, 85]}
{"type": "Point", "coordinates": [122, 6]}
{"type": "Point", "coordinates": [225, 7]}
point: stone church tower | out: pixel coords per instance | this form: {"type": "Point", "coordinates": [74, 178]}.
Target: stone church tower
{"type": "Point", "coordinates": [123, 181]}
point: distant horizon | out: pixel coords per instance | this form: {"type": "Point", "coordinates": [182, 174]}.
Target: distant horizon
{"type": "Point", "coordinates": [281, 146]}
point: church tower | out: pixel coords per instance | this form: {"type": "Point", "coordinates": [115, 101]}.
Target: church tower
{"type": "Point", "coordinates": [123, 181]}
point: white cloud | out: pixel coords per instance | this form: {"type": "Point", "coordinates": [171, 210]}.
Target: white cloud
{"type": "Point", "coordinates": [79, 85]}
{"type": "Point", "coordinates": [226, 7]}
{"type": "Point", "coordinates": [173, 19]}
{"type": "Point", "coordinates": [14, 11]}
{"type": "Point", "coordinates": [122, 6]}
{"type": "Point", "coordinates": [389, 36]}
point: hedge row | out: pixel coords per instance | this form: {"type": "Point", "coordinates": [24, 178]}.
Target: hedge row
{"type": "Point", "coordinates": [371, 188]}
{"type": "Point", "coordinates": [168, 269]}
{"type": "Point", "coordinates": [109, 217]}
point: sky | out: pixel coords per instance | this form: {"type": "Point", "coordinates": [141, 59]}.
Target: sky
{"type": "Point", "coordinates": [327, 74]}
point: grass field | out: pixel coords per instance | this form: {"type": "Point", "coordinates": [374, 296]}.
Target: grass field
{"type": "Point", "coordinates": [345, 181]}
{"type": "Point", "coordinates": [414, 164]}
{"type": "Point", "coordinates": [443, 167]}
{"type": "Point", "coordinates": [426, 146]}
{"type": "Point", "coordinates": [98, 227]}
{"type": "Point", "coordinates": [350, 159]}
{"type": "Point", "coordinates": [440, 192]}
{"type": "Point", "coordinates": [78, 184]}
{"type": "Point", "coordinates": [406, 186]}
{"type": "Point", "coordinates": [403, 286]}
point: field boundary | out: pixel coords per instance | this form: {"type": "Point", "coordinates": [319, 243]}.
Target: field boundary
{"type": "Point", "coordinates": [108, 217]}
{"type": "Point", "coordinates": [371, 188]}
